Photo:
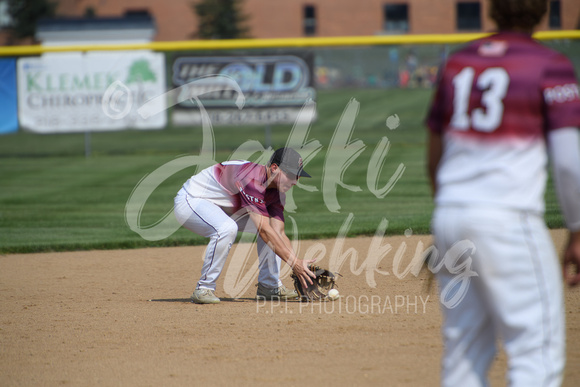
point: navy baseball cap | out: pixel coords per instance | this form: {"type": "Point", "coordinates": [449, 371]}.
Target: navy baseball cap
{"type": "Point", "coordinates": [289, 161]}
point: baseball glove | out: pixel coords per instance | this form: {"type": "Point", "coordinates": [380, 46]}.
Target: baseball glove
{"type": "Point", "coordinates": [318, 290]}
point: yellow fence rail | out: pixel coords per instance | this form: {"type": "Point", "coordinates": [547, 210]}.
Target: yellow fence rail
{"type": "Point", "coordinates": [195, 45]}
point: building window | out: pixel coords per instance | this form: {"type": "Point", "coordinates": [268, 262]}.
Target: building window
{"type": "Point", "coordinates": [5, 20]}
{"type": "Point", "coordinates": [309, 20]}
{"type": "Point", "coordinates": [555, 20]}
{"type": "Point", "coordinates": [396, 17]}
{"type": "Point", "coordinates": [468, 16]}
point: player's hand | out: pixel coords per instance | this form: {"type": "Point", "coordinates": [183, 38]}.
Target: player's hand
{"type": "Point", "coordinates": [301, 270]}
{"type": "Point", "coordinates": [571, 264]}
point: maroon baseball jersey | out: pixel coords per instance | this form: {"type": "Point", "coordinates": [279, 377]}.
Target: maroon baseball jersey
{"type": "Point", "coordinates": [235, 185]}
{"type": "Point", "coordinates": [495, 101]}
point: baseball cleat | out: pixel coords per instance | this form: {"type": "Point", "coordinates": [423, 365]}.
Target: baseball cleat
{"type": "Point", "coordinates": [280, 293]}
{"type": "Point", "coordinates": [204, 296]}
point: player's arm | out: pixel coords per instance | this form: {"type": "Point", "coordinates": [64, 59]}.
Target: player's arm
{"type": "Point", "coordinates": [434, 152]}
{"type": "Point", "coordinates": [281, 247]}
{"type": "Point", "coordinates": [564, 150]}
{"type": "Point", "coordinates": [280, 228]}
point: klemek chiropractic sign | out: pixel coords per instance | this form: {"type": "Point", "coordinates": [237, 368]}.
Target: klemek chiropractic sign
{"type": "Point", "coordinates": [274, 88]}
{"type": "Point", "coordinates": [60, 93]}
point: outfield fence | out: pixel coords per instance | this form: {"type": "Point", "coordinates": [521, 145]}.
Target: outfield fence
{"type": "Point", "coordinates": [61, 88]}
{"type": "Point", "coordinates": [229, 44]}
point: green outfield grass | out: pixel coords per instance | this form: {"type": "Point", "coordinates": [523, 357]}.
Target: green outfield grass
{"type": "Point", "coordinates": [52, 198]}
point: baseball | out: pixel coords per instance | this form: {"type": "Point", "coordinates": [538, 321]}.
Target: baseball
{"type": "Point", "coordinates": [333, 294]}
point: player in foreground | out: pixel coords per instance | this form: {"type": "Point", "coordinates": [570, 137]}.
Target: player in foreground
{"type": "Point", "coordinates": [222, 198]}
{"type": "Point", "coordinates": [503, 105]}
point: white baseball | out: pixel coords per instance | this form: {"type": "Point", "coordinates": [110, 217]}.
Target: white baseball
{"type": "Point", "coordinates": [333, 294]}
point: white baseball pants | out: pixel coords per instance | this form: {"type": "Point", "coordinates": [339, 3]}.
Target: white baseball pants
{"type": "Point", "coordinates": [209, 220]}
{"type": "Point", "coordinates": [516, 297]}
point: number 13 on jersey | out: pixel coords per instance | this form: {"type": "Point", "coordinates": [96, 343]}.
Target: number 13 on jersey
{"type": "Point", "coordinates": [494, 82]}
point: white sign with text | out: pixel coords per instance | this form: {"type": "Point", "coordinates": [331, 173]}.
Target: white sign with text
{"type": "Point", "coordinates": [65, 92]}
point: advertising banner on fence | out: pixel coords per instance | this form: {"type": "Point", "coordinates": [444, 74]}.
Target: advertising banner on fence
{"type": "Point", "coordinates": [274, 88]}
{"type": "Point", "coordinates": [8, 101]}
{"type": "Point", "coordinates": [96, 91]}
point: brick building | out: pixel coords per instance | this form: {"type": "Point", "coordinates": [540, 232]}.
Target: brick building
{"type": "Point", "coordinates": [176, 20]}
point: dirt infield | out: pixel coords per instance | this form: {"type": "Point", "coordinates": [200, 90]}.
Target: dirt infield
{"type": "Point", "coordinates": [86, 319]}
